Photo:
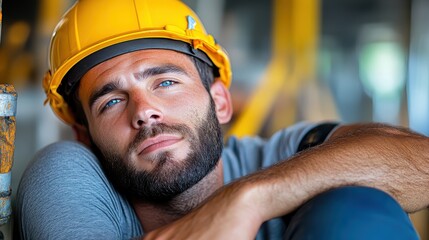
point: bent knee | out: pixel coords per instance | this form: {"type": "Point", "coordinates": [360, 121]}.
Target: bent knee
{"type": "Point", "coordinates": [352, 213]}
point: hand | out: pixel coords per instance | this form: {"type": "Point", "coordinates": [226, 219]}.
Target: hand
{"type": "Point", "coordinates": [228, 214]}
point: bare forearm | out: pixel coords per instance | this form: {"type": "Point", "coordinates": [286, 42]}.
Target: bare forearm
{"type": "Point", "coordinates": [392, 160]}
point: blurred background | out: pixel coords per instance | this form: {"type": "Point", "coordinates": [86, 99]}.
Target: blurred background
{"type": "Point", "coordinates": [292, 60]}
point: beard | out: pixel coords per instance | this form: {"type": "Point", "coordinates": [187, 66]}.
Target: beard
{"type": "Point", "coordinates": [169, 177]}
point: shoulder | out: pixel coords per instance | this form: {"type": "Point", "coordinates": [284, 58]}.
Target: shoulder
{"type": "Point", "coordinates": [242, 156]}
{"type": "Point", "coordinates": [64, 193]}
{"type": "Point", "coordinates": [286, 140]}
{"type": "Point", "coordinates": [58, 164]}
{"type": "Point", "coordinates": [62, 161]}
{"type": "Point", "coordinates": [55, 153]}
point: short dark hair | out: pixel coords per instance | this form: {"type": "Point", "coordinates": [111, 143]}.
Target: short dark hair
{"type": "Point", "coordinates": [206, 72]}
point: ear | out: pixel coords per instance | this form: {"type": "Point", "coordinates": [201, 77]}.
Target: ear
{"type": "Point", "coordinates": [222, 100]}
{"type": "Point", "coordinates": [82, 134]}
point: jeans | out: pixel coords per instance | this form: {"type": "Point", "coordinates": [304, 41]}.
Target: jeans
{"type": "Point", "coordinates": [351, 213]}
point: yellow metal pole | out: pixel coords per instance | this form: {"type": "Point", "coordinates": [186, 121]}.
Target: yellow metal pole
{"type": "Point", "coordinates": [258, 108]}
{"type": "Point", "coordinates": [306, 36]}
{"type": "Point", "coordinates": [294, 51]}
{"type": "Point", "coordinates": [282, 28]}
{"type": "Point", "coordinates": [303, 52]}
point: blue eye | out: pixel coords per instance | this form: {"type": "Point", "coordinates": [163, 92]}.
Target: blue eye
{"type": "Point", "coordinates": [111, 103]}
{"type": "Point", "coordinates": [166, 83]}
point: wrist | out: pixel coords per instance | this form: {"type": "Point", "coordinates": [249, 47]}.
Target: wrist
{"type": "Point", "coordinates": [245, 205]}
{"type": "Point", "coordinates": [255, 196]}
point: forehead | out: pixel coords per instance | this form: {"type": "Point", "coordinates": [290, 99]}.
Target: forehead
{"type": "Point", "coordinates": [134, 62]}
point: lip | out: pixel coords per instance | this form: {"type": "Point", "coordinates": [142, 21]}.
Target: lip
{"type": "Point", "coordinates": [157, 142]}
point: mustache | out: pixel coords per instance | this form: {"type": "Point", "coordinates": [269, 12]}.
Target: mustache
{"type": "Point", "coordinates": [156, 129]}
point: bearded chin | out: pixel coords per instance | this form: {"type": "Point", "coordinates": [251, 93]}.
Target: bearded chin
{"type": "Point", "coordinates": [170, 177]}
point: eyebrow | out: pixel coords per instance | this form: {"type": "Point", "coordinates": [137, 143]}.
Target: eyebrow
{"type": "Point", "coordinates": [103, 91]}
{"type": "Point", "coordinates": [158, 70]}
{"type": "Point", "coordinates": [114, 85]}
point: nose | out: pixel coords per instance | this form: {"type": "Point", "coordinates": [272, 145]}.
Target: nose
{"type": "Point", "coordinates": [144, 112]}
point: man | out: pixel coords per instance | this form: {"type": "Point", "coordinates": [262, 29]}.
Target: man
{"type": "Point", "coordinates": [146, 89]}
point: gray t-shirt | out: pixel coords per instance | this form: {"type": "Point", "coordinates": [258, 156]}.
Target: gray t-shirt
{"type": "Point", "coordinates": [64, 193]}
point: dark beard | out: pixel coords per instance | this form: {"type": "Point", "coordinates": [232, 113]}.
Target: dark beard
{"type": "Point", "coordinates": [168, 178]}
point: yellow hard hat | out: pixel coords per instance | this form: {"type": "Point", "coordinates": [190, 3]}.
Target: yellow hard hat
{"type": "Point", "coordinates": [93, 31]}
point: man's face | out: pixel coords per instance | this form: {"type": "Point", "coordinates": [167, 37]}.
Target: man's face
{"type": "Point", "coordinates": [153, 122]}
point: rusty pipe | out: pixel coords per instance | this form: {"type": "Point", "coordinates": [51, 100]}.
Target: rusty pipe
{"type": "Point", "coordinates": [8, 103]}
{"type": "Point", "coordinates": [1, 17]}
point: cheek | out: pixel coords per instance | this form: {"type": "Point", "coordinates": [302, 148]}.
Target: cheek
{"type": "Point", "coordinates": [187, 113]}
{"type": "Point", "coordinates": [109, 137]}
{"type": "Point", "coordinates": [190, 105]}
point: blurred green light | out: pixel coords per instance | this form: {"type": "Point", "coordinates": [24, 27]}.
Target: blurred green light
{"type": "Point", "coordinates": [382, 68]}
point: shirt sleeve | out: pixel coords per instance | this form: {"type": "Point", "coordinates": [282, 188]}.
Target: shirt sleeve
{"type": "Point", "coordinates": [64, 194]}
{"type": "Point", "coordinates": [246, 155]}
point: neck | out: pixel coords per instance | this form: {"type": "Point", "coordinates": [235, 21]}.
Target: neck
{"type": "Point", "coordinates": [153, 216]}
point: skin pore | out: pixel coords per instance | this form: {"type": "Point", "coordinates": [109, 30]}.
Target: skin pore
{"type": "Point", "coordinates": [152, 120]}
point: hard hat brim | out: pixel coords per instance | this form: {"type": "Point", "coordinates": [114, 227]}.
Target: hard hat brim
{"type": "Point", "coordinates": [73, 76]}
